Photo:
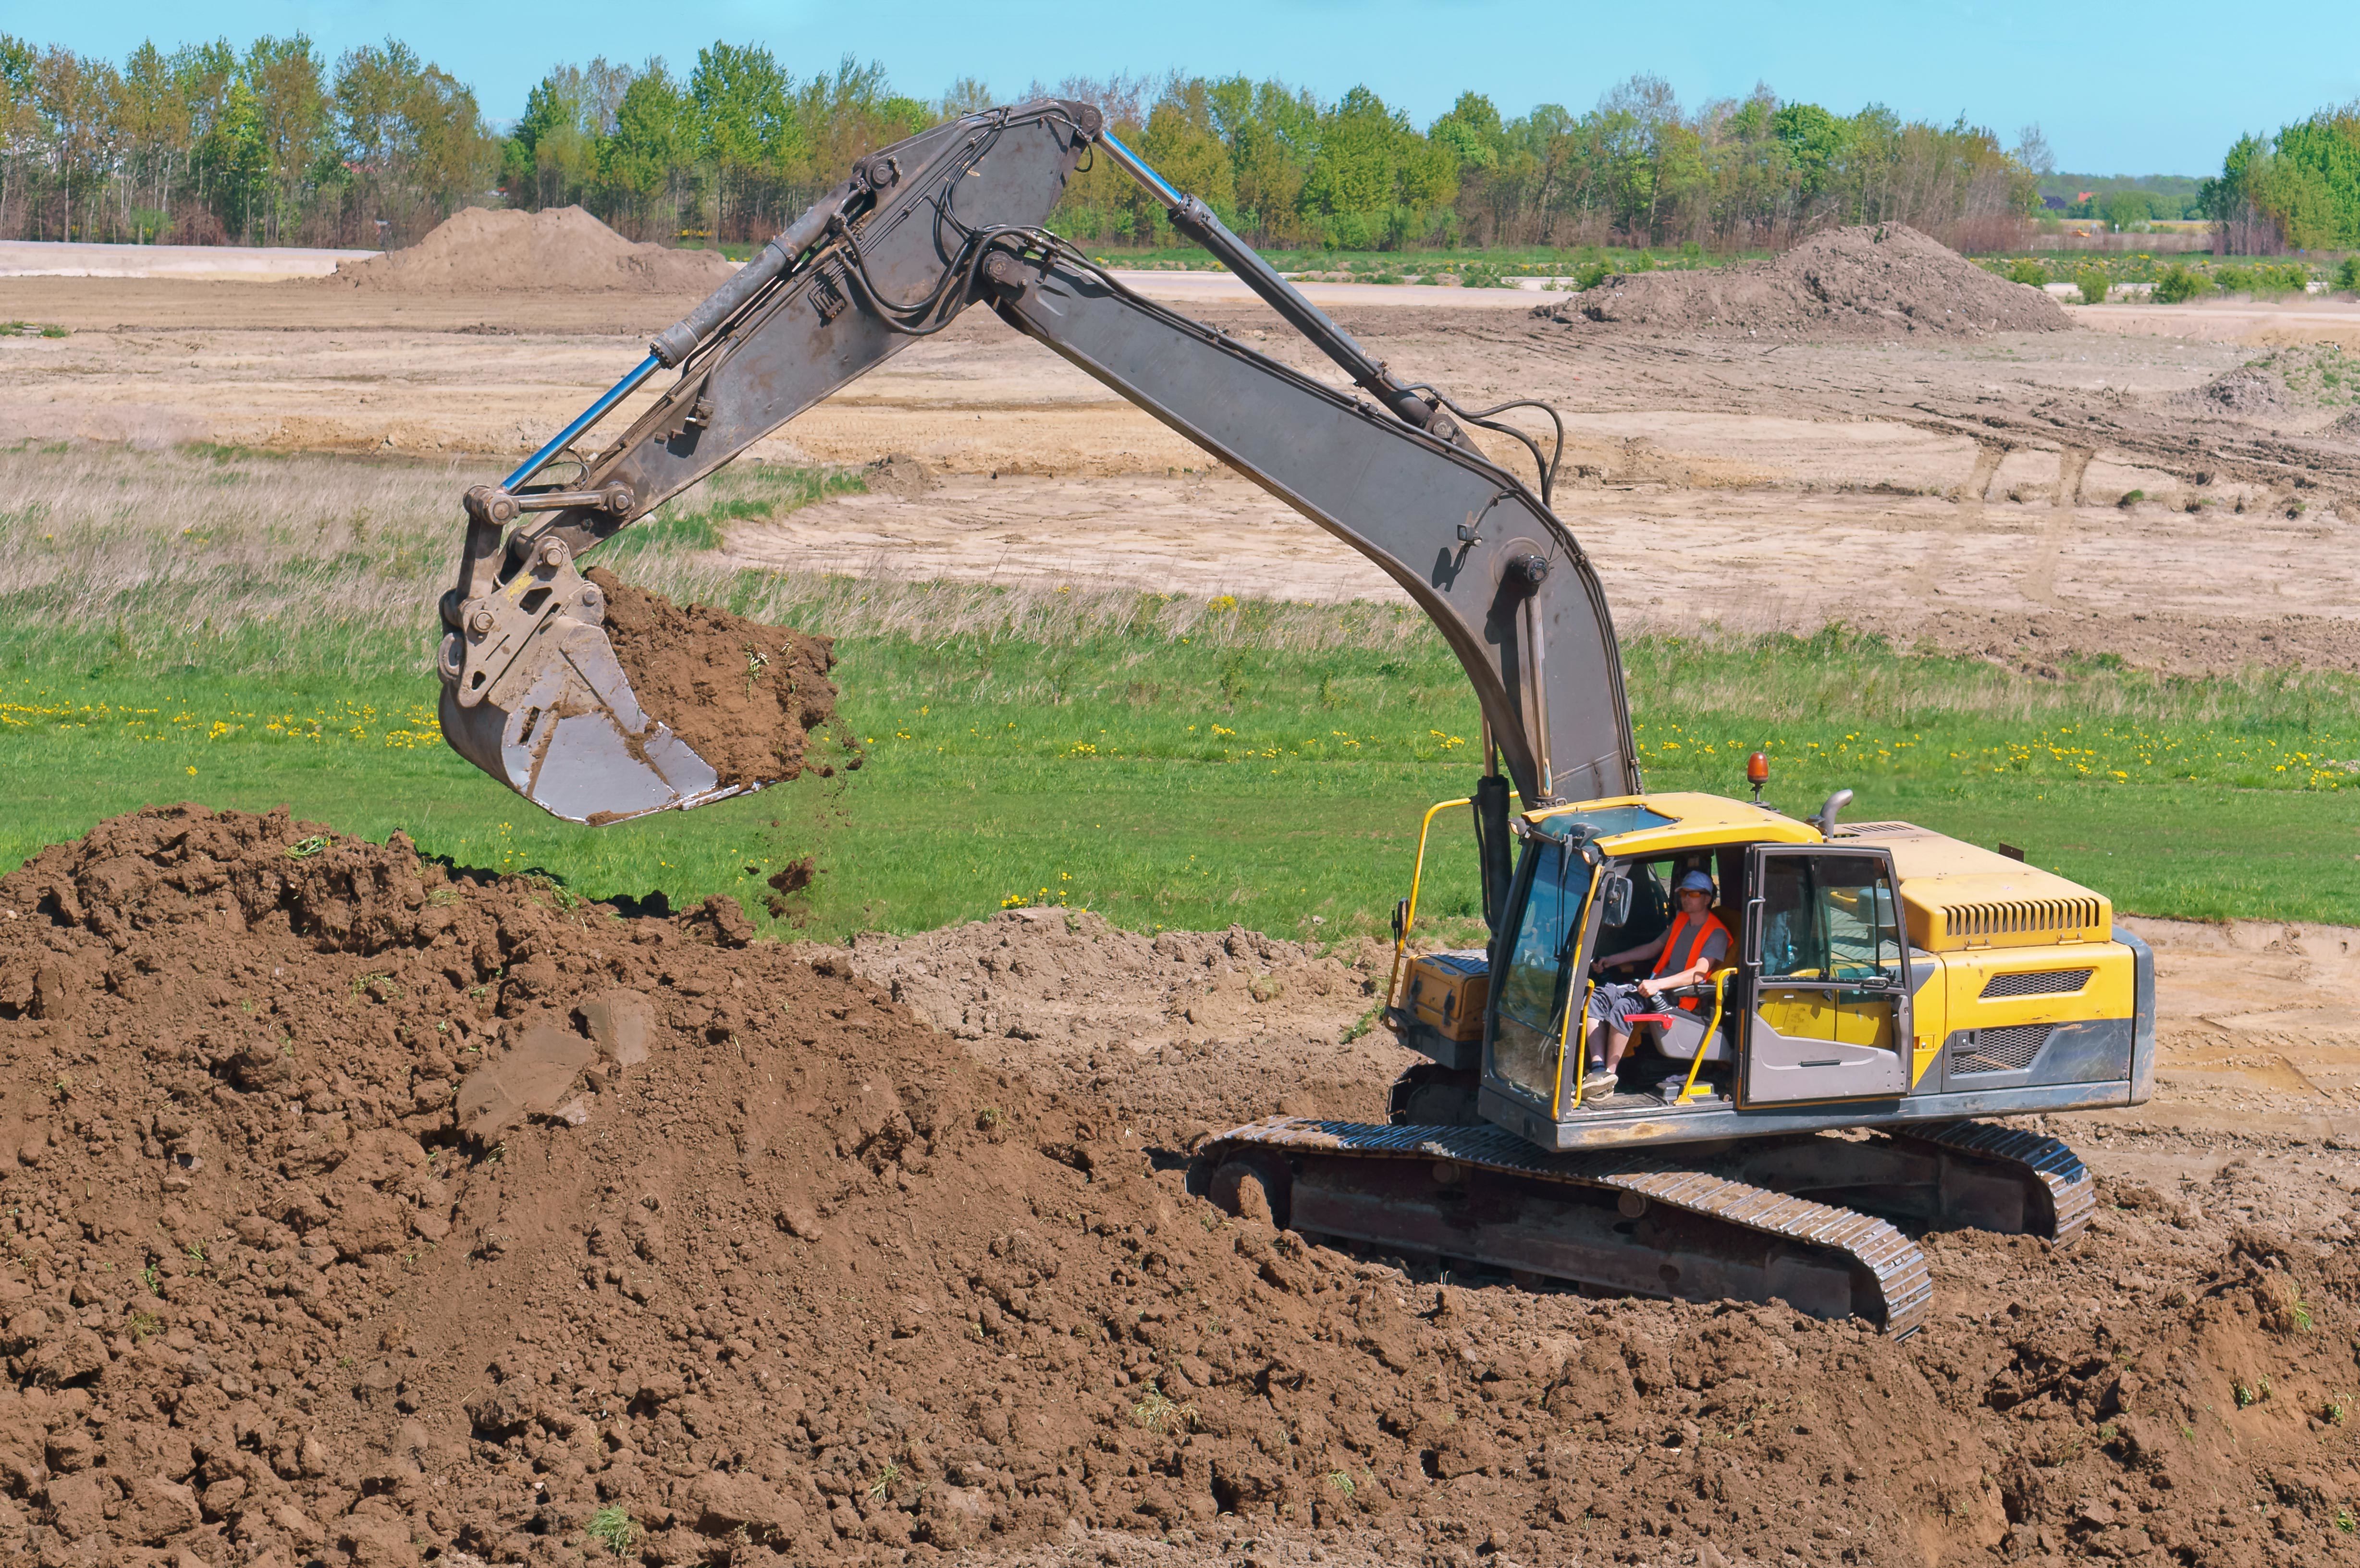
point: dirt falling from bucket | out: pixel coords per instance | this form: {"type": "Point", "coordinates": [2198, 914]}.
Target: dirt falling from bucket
{"type": "Point", "coordinates": [748, 697]}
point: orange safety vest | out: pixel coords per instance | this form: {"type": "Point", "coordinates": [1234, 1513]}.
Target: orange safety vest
{"type": "Point", "coordinates": [1685, 943]}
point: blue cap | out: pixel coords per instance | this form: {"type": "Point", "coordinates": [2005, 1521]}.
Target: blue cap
{"type": "Point", "coordinates": [1696, 882]}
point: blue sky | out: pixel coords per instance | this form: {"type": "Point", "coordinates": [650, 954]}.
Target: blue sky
{"type": "Point", "coordinates": [2156, 87]}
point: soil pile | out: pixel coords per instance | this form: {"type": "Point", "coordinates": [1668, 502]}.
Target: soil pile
{"type": "Point", "coordinates": [2248, 391]}
{"type": "Point", "coordinates": [1871, 282]}
{"type": "Point", "coordinates": [746, 696]}
{"type": "Point", "coordinates": [1185, 1031]}
{"type": "Point", "coordinates": [368, 1212]}
{"type": "Point", "coordinates": [477, 251]}
{"type": "Point", "coordinates": [2296, 380]}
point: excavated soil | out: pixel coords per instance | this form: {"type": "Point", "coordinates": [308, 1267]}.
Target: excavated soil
{"type": "Point", "coordinates": [1871, 282]}
{"type": "Point", "coordinates": [368, 1212]}
{"type": "Point", "coordinates": [1184, 1032]}
{"type": "Point", "coordinates": [746, 696]}
{"type": "Point", "coordinates": [477, 251]}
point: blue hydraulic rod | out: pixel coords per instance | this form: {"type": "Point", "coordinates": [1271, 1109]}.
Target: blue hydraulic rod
{"type": "Point", "coordinates": [589, 416]}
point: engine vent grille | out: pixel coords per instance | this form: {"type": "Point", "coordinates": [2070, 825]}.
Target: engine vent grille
{"type": "Point", "coordinates": [2008, 1049]}
{"type": "Point", "coordinates": [2036, 982]}
{"type": "Point", "coordinates": [2022, 923]}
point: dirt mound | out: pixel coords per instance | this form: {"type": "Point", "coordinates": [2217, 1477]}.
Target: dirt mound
{"type": "Point", "coordinates": [367, 1212]}
{"type": "Point", "coordinates": [1873, 281]}
{"type": "Point", "coordinates": [2248, 391]}
{"type": "Point", "coordinates": [564, 249]}
{"type": "Point", "coordinates": [2297, 379]}
{"type": "Point", "coordinates": [746, 696]}
{"type": "Point", "coordinates": [1182, 1030]}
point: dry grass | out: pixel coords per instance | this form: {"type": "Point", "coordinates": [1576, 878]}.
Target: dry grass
{"type": "Point", "coordinates": [274, 560]}
{"type": "Point", "coordinates": [243, 563]}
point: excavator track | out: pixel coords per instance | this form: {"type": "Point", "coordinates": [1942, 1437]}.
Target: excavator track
{"type": "Point", "coordinates": [1753, 1220]}
{"type": "Point", "coordinates": [2042, 1167]}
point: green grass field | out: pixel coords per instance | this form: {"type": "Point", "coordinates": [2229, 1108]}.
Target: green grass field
{"type": "Point", "coordinates": [1170, 762]}
{"type": "Point", "coordinates": [1188, 785]}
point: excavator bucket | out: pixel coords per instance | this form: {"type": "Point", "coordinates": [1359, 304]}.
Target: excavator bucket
{"type": "Point", "coordinates": [562, 727]}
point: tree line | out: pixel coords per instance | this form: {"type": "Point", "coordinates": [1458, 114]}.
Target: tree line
{"type": "Point", "coordinates": [276, 144]}
{"type": "Point", "coordinates": [208, 144]}
{"type": "Point", "coordinates": [2298, 190]}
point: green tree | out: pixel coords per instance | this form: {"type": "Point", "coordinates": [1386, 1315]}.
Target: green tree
{"type": "Point", "coordinates": [237, 154]}
{"type": "Point", "coordinates": [1471, 132]}
{"type": "Point", "coordinates": [2125, 210]}
{"type": "Point", "coordinates": [747, 133]}
{"type": "Point", "coordinates": [76, 98]}
{"type": "Point", "coordinates": [1814, 143]}
{"type": "Point", "coordinates": [411, 136]}
{"type": "Point", "coordinates": [155, 126]}
{"type": "Point", "coordinates": [289, 111]}
{"type": "Point", "coordinates": [20, 120]}
{"type": "Point", "coordinates": [646, 161]}
{"type": "Point", "coordinates": [1181, 143]}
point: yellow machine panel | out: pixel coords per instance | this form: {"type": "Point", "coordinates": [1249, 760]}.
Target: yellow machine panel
{"type": "Point", "coordinates": [1959, 896]}
{"type": "Point", "coordinates": [2011, 987]}
{"type": "Point", "coordinates": [1447, 992]}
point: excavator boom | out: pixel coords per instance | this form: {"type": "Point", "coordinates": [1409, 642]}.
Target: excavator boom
{"type": "Point", "coordinates": [533, 691]}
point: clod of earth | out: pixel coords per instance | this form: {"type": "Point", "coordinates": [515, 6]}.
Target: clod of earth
{"type": "Point", "coordinates": [746, 696]}
{"type": "Point", "coordinates": [810, 1283]}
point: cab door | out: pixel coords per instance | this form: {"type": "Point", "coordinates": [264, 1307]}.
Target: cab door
{"type": "Point", "coordinates": [1826, 977]}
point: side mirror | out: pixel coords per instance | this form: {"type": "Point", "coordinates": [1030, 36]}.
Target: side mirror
{"type": "Point", "coordinates": [1401, 919]}
{"type": "Point", "coordinates": [1618, 900]}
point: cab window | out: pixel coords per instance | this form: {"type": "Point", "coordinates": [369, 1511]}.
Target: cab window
{"type": "Point", "coordinates": [1829, 918]}
{"type": "Point", "coordinates": [1532, 994]}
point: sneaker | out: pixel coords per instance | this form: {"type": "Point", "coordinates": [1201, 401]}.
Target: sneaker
{"type": "Point", "coordinates": [1598, 1090]}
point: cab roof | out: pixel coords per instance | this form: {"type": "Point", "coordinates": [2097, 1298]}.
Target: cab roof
{"type": "Point", "coordinates": [1645, 824]}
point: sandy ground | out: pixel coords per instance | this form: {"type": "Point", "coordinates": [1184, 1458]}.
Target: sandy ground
{"type": "Point", "coordinates": [37, 258]}
{"type": "Point", "coordinates": [1978, 493]}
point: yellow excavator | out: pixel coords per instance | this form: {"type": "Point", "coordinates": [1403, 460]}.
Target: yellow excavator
{"type": "Point", "coordinates": [1782, 1124]}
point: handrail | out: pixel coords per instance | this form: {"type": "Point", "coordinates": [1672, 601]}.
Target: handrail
{"type": "Point", "coordinates": [1416, 877]}
{"type": "Point", "coordinates": [1719, 994]}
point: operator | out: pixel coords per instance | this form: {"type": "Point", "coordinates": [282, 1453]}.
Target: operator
{"type": "Point", "coordinates": [1687, 951]}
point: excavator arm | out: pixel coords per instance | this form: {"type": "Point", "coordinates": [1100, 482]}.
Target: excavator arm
{"type": "Point", "coordinates": [531, 692]}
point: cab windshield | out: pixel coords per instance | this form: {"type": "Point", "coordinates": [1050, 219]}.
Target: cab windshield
{"type": "Point", "coordinates": [1532, 990]}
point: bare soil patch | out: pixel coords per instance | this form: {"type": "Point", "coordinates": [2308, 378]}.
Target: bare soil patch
{"type": "Point", "coordinates": [1186, 1031]}
{"type": "Point", "coordinates": [1869, 281]}
{"type": "Point", "coordinates": [746, 696]}
{"type": "Point", "coordinates": [477, 251]}
{"type": "Point", "coordinates": [746, 1250]}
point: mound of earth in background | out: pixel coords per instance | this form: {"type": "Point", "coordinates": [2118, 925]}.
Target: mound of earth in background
{"type": "Point", "coordinates": [1869, 281]}
{"type": "Point", "coordinates": [746, 696]}
{"type": "Point", "coordinates": [563, 249]}
{"type": "Point", "coordinates": [368, 1212]}
{"type": "Point", "coordinates": [2297, 379]}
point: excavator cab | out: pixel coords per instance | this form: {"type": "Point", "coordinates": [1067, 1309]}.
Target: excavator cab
{"type": "Point", "coordinates": [1831, 1010]}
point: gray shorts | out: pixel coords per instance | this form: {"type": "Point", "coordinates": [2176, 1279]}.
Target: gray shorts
{"type": "Point", "coordinates": [1614, 1002]}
